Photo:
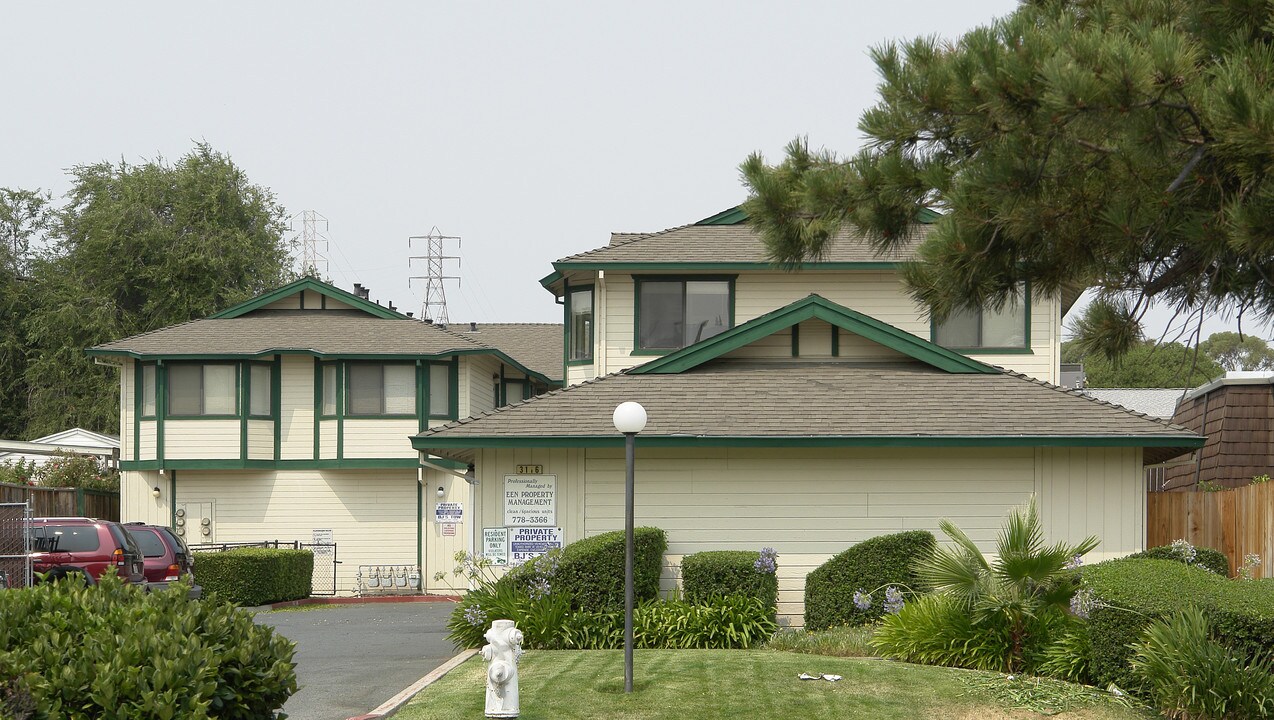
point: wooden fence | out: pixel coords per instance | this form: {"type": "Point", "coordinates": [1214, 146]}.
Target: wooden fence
{"type": "Point", "coordinates": [1236, 522]}
{"type": "Point", "coordinates": [64, 502]}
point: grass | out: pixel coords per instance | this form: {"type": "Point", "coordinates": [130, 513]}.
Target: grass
{"type": "Point", "coordinates": [708, 684]}
{"type": "Point", "coordinates": [838, 642]}
{"type": "Point", "coordinates": [305, 608]}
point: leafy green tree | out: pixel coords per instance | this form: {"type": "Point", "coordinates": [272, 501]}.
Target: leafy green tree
{"type": "Point", "coordinates": [1025, 580]}
{"type": "Point", "coordinates": [136, 248]}
{"type": "Point", "coordinates": [1116, 144]}
{"type": "Point", "coordinates": [1146, 365]}
{"type": "Point", "coordinates": [23, 214]}
{"type": "Point", "coordinates": [1238, 352]}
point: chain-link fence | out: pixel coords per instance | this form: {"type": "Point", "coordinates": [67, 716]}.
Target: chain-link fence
{"type": "Point", "coordinates": [325, 562]}
{"type": "Point", "coordinates": [15, 545]}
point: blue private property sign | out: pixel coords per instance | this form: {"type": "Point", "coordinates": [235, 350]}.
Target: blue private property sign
{"type": "Point", "coordinates": [529, 542]}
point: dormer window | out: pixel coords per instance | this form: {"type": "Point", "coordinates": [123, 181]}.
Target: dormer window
{"type": "Point", "coordinates": [985, 330]}
{"type": "Point", "coordinates": [674, 313]}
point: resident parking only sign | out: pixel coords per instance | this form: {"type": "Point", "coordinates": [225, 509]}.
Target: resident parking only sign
{"type": "Point", "coordinates": [530, 500]}
{"type": "Point", "coordinates": [529, 542]}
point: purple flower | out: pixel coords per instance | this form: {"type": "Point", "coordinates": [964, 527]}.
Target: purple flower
{"type": "Point", "coordinates": [1083, 602]}
{"type": "Point", "coordinates": [475, 616]}
{"type": "Point", "coordinates": [862, 600]}
{"type": "Point", "coordinates": [893, 600]}
{"type": "Point", "coordinates": [1074, 563]}
{"type": "Point", "coordinates": [539, 588]}
{"type": "Point", "coordinates": [768, 561]}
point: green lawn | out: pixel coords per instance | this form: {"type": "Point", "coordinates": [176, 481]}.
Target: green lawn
{"type": "Point", "coordinates": [706, 684]}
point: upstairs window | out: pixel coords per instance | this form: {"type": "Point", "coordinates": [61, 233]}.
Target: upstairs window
{"type": "Point", "coordinates": [439, 390]}
{"type": "Point", "coordinates": [260, 390]}
{"type": "Point", "coordinates": [147, 390]}
{"type": "Point", "coordinates": [580, 324]}
{"type": "Point", "coordinates": [327, 407]}
{"type": "Point", "coordinates": [1004, 329]}
{"type": "Point", "coordinates": [375, 389]}
{"type": "Point", "coordinates": [672, 314]}
{"type": "Point", "coordinates": [196, 390]}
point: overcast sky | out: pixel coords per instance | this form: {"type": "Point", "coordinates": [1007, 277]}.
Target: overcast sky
{"type": "Point", "coordinates": [531, 130]}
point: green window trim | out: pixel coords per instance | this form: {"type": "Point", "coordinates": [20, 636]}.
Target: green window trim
{"type": "Point", "coordinates": [568, 304]}
{"type": "Point", "coordinates": [1024, 349]}
{"type": "Point", "coordinates": [638, 280]}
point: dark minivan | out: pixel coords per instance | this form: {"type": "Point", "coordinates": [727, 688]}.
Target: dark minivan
{"type": "Point", "coordinates": [86, 546]}
{"type": "Point", "coordinates": [167, 558]}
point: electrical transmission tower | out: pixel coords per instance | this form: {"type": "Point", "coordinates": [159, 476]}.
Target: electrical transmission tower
{"type": "Point", "coordinates": [434, 306]}
{"type": "Point", "coordinates": [311, 238]}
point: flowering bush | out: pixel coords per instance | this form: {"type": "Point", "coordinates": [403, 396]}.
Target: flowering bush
{"type": "Point", "coordinates": [877, 562]}
{"type": "Point", "coordinates": [1251, 562]}
{"type": "Point", "coordinates": [22, 472]}
{"type": "Point", "coordinates": [77, 471]}
{"type": "Point", "coordinates": [731, 572]}
{"type": "Point", "coordinates": [531, 601]}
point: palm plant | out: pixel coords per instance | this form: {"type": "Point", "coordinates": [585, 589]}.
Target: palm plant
{"type": "Point", "coordinates": [1025, 579]}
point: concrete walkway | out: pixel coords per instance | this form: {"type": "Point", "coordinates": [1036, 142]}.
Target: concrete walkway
{"type": "Point", "coordinates": [352, 658]}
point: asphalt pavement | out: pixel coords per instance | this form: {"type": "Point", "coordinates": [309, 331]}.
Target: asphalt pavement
{"type": "Point", "coordinates": [351, 658]}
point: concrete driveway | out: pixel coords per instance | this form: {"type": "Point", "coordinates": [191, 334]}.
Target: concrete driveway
{"type": "Point", "coordinates": [351, 658]}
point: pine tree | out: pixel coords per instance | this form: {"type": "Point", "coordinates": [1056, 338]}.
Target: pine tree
{"type": "Point", "coordinates": [1125, 145]}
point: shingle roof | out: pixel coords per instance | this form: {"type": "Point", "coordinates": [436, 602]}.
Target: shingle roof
{"type": "Point", "coordinates": [536, 345]}
{"type": "Point", "coordinates": [323, 332]}
{"type": "Point", "coordinates": [729, 244]}
{"type": "Point", "coordinates": [835, 400]}
{"type": "Point", "coordinates": [1155, 402]}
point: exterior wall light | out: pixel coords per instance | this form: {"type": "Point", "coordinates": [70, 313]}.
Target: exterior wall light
{"type": "Point", "coordinates": [154, 492]}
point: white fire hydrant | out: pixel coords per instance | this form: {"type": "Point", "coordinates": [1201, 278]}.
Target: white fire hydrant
{"type": "Point", "coordinates": [502, 672]}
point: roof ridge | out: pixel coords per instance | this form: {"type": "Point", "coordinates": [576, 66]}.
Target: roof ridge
{"type": "Point", "coordinates": [520, 403]}
{"type": "Point", "coordinates": [1077, 392]}
{"type": "Point", "coordinates": [630, 241]}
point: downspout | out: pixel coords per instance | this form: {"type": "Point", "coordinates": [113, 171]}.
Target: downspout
{"type": "Point", "coordinates": [420, 531]}
{"type": "Point", "coordinates": [599, 325]}
{"type": "Point", "coordinates": [473, 520]}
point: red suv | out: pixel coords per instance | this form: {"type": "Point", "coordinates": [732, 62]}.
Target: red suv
{"type": "Point", "coordinates": [166, 556]}
{"type": "Point", "coordinates": [71, 545]}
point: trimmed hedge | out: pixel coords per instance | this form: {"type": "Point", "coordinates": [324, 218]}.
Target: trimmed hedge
{"type": "Point", "coordinates": [1207, 558]}
{"type": "Point", "coordinates": [1240, 612]}
{"type": "Point", "coordinates": [727, 572]}
{"type": "Point", "coordinates": [591, 571]}
{"type": "Point", "coordinates": [882, 560]}
{"type": "Point", "coordinates": [111, 650]}
{"type": "Point", "coordinates": [256, 576]}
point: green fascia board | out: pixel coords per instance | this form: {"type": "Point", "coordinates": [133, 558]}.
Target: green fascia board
{"type": "Point", "coordinates": [714, 267]}
{"type": "Point", "coordinates": [809, 307]}
{"type": "Point", "coordinates": [731, 216]}
{"type": "Point", "coordinates": [308, 283]}
{"type": "Point", "coordinates": [95, 352]}
{"type": "Point", "coordinates": [548, 281]}
{"type": "Point", "coordinates": [428, 443]}
{"type": "Point", "coordinates": [345, 464]}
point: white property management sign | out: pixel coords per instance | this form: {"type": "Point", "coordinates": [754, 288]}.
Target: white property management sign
{"type": "Point", "coordinates": [530, 500]}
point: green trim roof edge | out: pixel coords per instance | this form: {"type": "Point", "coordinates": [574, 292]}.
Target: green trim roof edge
{"type": "Point", "coordinates": [425, 441]}
{"type": "Point", "coordinates": [307, 283]}
{"type": "Point", "coordinates": [814, 306]}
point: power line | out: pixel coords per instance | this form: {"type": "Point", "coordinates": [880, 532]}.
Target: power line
{"type": "Point", "coordinates": [310, 239]}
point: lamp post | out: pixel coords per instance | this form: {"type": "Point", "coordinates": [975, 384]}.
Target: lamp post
{"type": "Point", "coordinates": [630, 419]}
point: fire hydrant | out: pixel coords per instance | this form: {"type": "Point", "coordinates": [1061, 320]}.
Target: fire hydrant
{"type": "Point", "coordinates": [502, 672]}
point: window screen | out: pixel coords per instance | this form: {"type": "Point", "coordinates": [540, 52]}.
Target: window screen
{"type": "Point", "coordinates": [581, 325]}
{"type": "Point", "coordinates": [381, 389]}
{"type": "Point", "coordinates": [971, 329]}
{"type": "Point", "coordinates": [440, 390]}
{"type": "Point", "coordinates": [261, 403]}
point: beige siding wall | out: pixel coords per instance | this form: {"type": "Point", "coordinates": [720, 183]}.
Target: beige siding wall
{"type": "Point", "coordinates": [327, 440]}
{"type": "Point", "coordinates": [146, 441]}
{"type": "Point", "coordinates": [576, 374]}
{"type": "Point", "coordinates": [380, 438]}
{"type": "Point", "coordinates": [201, 439]}
{"type": "Point", "coordinates": [127, 441]}
{"type": "Point", "coordinates": [297, 408]}
{"type": "Point", "coordinates": [812, 504]}
{"type": "Point", "coordinates": [879, 294]}
{"type": "Point", "coordinates": [137, 504]}
{"type": "Point", "coordinates": [476, 393]}
{"type": "Point", "coordinates": [260, 440]}
{"type": "Point", "coordinates": [372, 513]}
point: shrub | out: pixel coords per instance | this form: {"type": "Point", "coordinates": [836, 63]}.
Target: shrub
{"type": "Point", "coordinates": [77, 471]}
{"type": "Point", "coordinates": [256, 576]}
{"type": "Point", "coordinates": [21, 472]}
{"type": "Point", "coordinates": [729, 572]}
{"type": "Point", "coordinates": [111, 650]}
{"type": "Point", "coordinates": [591, 571]}
{"type": "Point", "coordinates": [1188, 674]}
{"type": "Point", "coordinates": [1207, 558]}
{"type": "Point", "coordinates": [938, 630]}
{"type": "Point", "coordinates": [883, 560]}
{"type": "Point", "coordinates": [539, 617]}
{"type": "Point", "coordinates": [718, 623]}
{"type": "Point", "coordinates": [1132, 593]}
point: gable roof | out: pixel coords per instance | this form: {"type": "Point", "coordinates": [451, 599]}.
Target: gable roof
{"type": "Point", "coordinates": [823, 404]}
{"type": "Point", "coordinates": [815, 306]}
{"type": "Point", "coordinates": [312, 284]}
{"type": "Point", "coordinates": [1155, 402]}
{"type": "Point", "coordinates": [536, 345]}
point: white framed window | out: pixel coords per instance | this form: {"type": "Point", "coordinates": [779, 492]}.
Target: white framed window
{"type": "Point", "coordinates": [198, 390]}
{"type": "Point", "coordinates": [374, 389]}
{"type": "Point", "coordinates": [261, 396]}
